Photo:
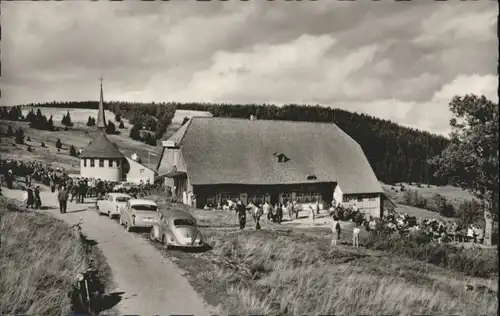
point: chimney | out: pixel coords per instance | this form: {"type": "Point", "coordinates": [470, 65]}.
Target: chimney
{"type": "Point", "coordinates": [252, 117]}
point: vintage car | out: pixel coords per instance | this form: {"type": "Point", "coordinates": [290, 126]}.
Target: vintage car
{"type": "Point", "coordinates": [139, 213]}
{"type": "Point", "coordinates": [123, 186]}
{"type": "Point", "coordinates": [112, 203]}
{"type": "Point", "coordinates": [177, 228]}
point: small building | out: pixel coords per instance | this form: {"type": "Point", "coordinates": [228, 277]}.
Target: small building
{"type": "Point", "coordinates": [138, 172]}
{"type": "Point", "coordinates": [263, 160]}
{"type": "Point", "coordinates": [102, 160]}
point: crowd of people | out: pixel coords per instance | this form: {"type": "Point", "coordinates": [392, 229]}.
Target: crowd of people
{"type": "Point", "coordinates": [31, 174]}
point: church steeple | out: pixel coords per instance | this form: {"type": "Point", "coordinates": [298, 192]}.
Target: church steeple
{"type": "Point", "coordinates": [101, 119]}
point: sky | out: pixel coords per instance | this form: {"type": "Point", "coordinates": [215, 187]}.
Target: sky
{"type": "Point", "coordinates": [401, 61]}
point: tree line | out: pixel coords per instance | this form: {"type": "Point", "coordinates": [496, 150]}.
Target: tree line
{"type": "Point", "coordinates": [396, 153]}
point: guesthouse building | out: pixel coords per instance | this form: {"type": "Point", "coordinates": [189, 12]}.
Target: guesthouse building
{"type": "Point", "coordinates": [219, 159]}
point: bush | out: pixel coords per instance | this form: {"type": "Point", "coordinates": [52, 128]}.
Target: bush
{"type": "Point", "coordinates": [43, 145]}
{"type": "Point", "coordinates": [469, 211]}
{"type": "Point", "coordinates": [441, 205]}
{"type": "Point", "coordinates": [121, 125]}
{"type": "Point", "coordinates": [28, 139]}
{"type": "Point", "coordinates": [413, 198]}
{"type": "Point", "coordinates": [29, 149]}
{"type": "Point", "coordinates": [58, 144]}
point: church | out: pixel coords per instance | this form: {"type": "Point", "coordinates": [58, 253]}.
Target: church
{"type": "Point", "coordinates": [102, 159]}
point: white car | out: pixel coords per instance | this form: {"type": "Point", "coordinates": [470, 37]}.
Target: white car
{"type": "Point", "coordinates": [112, 204]}
{"type": "Point", "coordinates": [139, 213]}
{"type": "Point", "coordinates": [123, 185]}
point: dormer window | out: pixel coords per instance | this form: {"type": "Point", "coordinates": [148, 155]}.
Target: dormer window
{"type": "Point", "coordinates": [281, 157]}
{"type": "Point", "coordinates": [311, 177]}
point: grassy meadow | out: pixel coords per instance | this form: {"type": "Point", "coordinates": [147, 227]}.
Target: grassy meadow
{"type": "Point", "coordinates": [39, 261]}
{"type": "Point", "coordinates": [295, 271]}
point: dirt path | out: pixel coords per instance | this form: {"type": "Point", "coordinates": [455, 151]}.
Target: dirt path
{"type": "Point", "coordinates": [151, 283]}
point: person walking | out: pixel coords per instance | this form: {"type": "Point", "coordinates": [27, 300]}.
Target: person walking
{"type": "Point", "coordinates": [335, 230]}
{"type": "Point", "coordinates": [355, 236]}
{"type": "Point", "coordinates": [62, 196]}
{"type": "Point", "coordinates": [312, 216]}
{"type": "Point", "coordinates": [265, 209]}
{"type": "Point", "coordinates": [38, 199]}
{"type": "Point", "coordinates": [242, 214]}
{"type": "Point", "coordinates": [31, 198]}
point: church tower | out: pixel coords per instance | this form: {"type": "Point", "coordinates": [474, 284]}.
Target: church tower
{"type": "Point", "coordinates": [101, 119]}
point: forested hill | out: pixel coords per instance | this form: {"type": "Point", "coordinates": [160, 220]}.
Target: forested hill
{"type": "Point", "coordinates": [396, 153]}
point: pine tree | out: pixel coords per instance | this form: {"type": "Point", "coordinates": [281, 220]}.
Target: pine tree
{"type": "Point", "coordinates": [58, 144]}
{"type": "Point", "coordinates": [121, 126]}
{"type": "Point", "coordinates": [72, 151]}
{"type": "Point", "coordinates": [10, 131]}
{"type": "Point", "coordinates": [110, 128]}
{"type": "Point", "coordinates": [19, 136]}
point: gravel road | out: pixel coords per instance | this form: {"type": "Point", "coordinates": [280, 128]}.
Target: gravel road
{"type": "Point", "coordinates": [152, 284]}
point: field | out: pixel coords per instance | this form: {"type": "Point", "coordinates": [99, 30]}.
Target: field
{"type": "Point", "coordinates": [39, 261]}
{"type": "Point", "coordinates": [295, 271]}
{"type": "Point", "coordinates": [452, 194]}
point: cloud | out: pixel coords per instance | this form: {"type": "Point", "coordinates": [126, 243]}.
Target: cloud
{"type": "Point", "coordinates": [400, 61]}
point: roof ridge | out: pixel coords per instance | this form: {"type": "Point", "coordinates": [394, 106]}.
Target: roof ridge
{"type": "Point", "coordinates": [257, 120]}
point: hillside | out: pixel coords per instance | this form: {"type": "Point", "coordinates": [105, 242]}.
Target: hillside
{"type": "Point", "coordinates": [396, 153]}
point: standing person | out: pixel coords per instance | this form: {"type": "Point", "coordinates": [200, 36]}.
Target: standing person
{"type": "Point", "coordinates": [9, 178]}
{"type": "Point", "coordinates": [311, 215]}
{"type": "Point", "coordinates": [38, 200]}
{"type": "Point", "coordinates": [31, 198]}
{"type": "Point", "coordinates": [62, 196]}
{"type": "Point", "coordinates": [257, 213]}
{"type": "Point", "coordinates": [52, 184]}
{"type": "Point", "coordinates": [355, 236]}
{"type": "Point", "coordinates": [335, 230]}
{"type": "Point", "coordinates": [279, 213]}
{"type": "Point", "coordinates": [265, 210]}
{"type": "Point", "coordinates": [242, 214]}
{"type": "Point", "coordinates": [296, 209]}
{"type": "Point", "coordinates": [317, 207]}
{"type": "Point", "coordinates": [28, 180]}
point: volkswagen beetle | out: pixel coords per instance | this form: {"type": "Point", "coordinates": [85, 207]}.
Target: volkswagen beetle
{"type": "Point", "coordinates": [177, 228]}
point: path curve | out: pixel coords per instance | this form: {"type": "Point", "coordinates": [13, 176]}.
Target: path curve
{"type": "Point", "coordinates": [151, 282]}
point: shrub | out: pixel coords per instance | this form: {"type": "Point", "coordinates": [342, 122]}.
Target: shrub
{"type": "Point", "coordinates": [468, 211]}
{"type": "Point", "coordinates": [121, 125]}
{"type": "Point", "coordinates": [442, 206]}
{"type": "Point", "coordinates": [43, 145]}
{"type": "Point", "coordinates": [58, 144]}
{"type": "Point", "coordinates": [29, 149]}
{"type": "Point", "coordinates": [28, 139]}
{"type": "Point", "coordinates": [413, 198]}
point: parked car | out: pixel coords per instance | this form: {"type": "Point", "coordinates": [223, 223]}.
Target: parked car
{"type": "Point", "coordinates": [112, 203]}
{"type": "Point", "coordinates": [139, 213]}
{"type": "Point", "coordinates": [177, 228]}
{"type": "Point", "coordinates": [123, 185]}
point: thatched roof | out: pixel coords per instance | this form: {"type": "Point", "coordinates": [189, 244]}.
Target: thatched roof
{"type": "Point", "coordinates": [102, 147]}
{"type": "Point", "coordinates": [239, 151]}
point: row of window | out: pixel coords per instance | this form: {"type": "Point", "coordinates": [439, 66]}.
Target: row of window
{"type": "Point", "coordinates": [358, 198]}
{"type": "Point", "coordinates": [101, 162]}
{"type": "Point", "coordinates": [300, 197]}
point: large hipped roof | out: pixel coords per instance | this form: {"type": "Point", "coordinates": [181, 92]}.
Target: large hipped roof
{"type": "Point", "coordinates": [101, 147]}
{"type": "Point", "coordinates": [238, 151]}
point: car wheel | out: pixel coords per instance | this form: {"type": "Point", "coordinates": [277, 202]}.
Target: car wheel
{"type": "Point", "coordinates": [127, 227]}
{"type": "Point", "coordinates": [164, 241]}
{"type": "Point", "coordinates": [110, 215]}
{"type": "Point", "coordinates": [152, 234]}
{"type": "Point", "coordinates": [120, 221]}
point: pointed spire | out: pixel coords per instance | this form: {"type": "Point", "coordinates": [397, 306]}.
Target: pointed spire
{"type": "Point", "coordinates": [101, 119]}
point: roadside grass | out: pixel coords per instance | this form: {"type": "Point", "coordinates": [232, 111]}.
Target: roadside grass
{"type": "Point", "coordinates": [39, 260]}
{"type": "Point", "coordinates": [283, 270]}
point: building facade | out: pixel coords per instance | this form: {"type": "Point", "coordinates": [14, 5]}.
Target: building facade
{"type": "Point", "coordinates": [102, 160]}
{"type": "Point", "coordinates": [138, 172]}
{"type": "Point", "coordinates": [218, 159]}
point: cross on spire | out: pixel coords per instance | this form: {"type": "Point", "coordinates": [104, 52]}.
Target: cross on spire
{"type": "Point", "coordinates": [101, 79]}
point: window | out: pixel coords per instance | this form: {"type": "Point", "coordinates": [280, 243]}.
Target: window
{"type": "Point", "coordinates": [141, 171]}
{"type": "Point", "coordinates": [285, 197]}
{"type": "Point", "coordinates": [306, 197]}
{"type": "Point", "coordinates": [211, 200]}
{"type": "Point", "coordinates": [256, 199]}
{"type": "Point", "coordinates": [122, 199]}
{"type": "Point", "coordinates": [85, 162]}
{"type": "Point", "coordinates": [110, 163]}
{"type": "Point", "coordinates": [144, 207]}
{"type": "Point", "coordinates": [101, 163]}
{"type": "Point", "coordinates": [92, 163]}
{"type": "Point", "coordinates": [118, 163]}
{"type": "Point", "coordinates": [183, 222]}
{"type": "Point", "coordinates": [232, 197]}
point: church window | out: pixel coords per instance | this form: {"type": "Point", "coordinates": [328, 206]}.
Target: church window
{"type": "Point", "coordinates": [118, 163]}
{"type": "Point", "coordinates": [141, 171]}
{"type": "Point", "coordinates": [110, 163]}
{"type": "Point", "coordinates": [85, 162]}
{"type": "Point", "coordinates": [92, 162]}
{"type": "Point", "coordinates": [101, 163]}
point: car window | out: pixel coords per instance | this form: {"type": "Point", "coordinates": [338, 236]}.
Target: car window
{"type": "Point", "coordinates": [144, 207]}
{"type": "Point", "coordinates": [110, 198]}
{"type": "Point", "coordinates": [183, 222]}
{"type": "Point", "coordinates": [122, 198]}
